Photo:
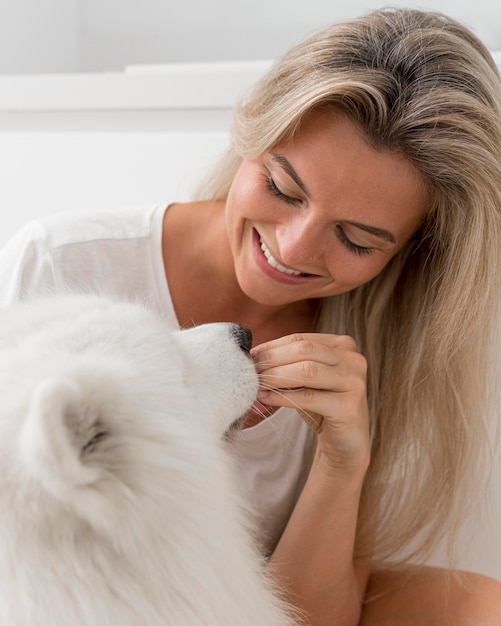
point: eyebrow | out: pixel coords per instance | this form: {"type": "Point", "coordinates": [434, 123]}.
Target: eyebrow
{"type": "Point", "coordinates": [373, 230]}
{"type": "Point", "coordinates": [381, 233]}
{"type": "Point", "coordinates": [287, 167]}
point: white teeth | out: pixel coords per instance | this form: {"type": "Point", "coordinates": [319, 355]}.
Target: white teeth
{"type": "Point", "coordinates": [274, 263]}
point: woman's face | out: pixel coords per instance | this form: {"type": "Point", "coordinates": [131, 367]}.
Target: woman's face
{"type": "Point", "coordinates": [320, 215]}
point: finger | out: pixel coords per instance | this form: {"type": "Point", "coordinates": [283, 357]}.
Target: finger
{"type": "Point", "coordinates": [342, 410]}
{"type": "Point", "coordinates": [295, 348]}
{"type": "Point", "coordinates": [335, 341]}
{"type": "Point", "coordinates": [338, 374]}
{"type": "Point", "coordinates": [303, 374]}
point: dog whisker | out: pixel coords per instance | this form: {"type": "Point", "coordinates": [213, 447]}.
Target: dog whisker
{"type": "Point", "coordinates": [305, 414]}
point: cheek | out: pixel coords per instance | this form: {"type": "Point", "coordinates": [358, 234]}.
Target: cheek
{"type": "Point", "coordinates": [241, 198]}
{"type": "Point", "coordinates": [351, 270]}
{"type": "Point", "coordinates": [240, 210]}
{"type": "Point", "coordinates": [371, 271]}
{"type": "Point", "coordinates": [249, 197]}
{"type": "Point", "coordinates": [374, 266]}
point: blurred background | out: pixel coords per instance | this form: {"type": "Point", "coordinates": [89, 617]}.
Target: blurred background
{"type": "Point", "coordinates": [54, 36]}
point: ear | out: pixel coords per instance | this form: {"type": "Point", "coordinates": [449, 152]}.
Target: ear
{"type": "Point", "coordinates": [48, 446]}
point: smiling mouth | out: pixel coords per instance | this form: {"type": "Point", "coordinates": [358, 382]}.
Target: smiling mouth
{"type": "Point", "coordinates": [278, 266]}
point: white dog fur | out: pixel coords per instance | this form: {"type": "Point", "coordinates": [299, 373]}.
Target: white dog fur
{"type": "Point", "coordinates": [118, 500]}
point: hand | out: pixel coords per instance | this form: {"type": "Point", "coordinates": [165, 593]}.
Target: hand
{"type": "Point", "coordinates": [324, 377]}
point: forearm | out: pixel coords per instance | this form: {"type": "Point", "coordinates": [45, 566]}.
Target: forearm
{"type": "Point", "coordinates": [313, 561]}
{"type": "Point", "coordinates": [323, 376]}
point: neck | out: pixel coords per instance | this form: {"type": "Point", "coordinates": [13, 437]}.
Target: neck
{"type": "Point", "coordinates": [200, 272]}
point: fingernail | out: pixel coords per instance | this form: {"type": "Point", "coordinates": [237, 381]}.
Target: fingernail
{"type": "Point", "coordinates": [263, 393]}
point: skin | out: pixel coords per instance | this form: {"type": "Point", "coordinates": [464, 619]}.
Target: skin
{"type": "Point", "coordinates": [311, 218]}
{"type": "Point", "coordinates": [319, 228]}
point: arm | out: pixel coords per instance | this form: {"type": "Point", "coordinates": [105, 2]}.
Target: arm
{"type": "Point", "coordinates": [313, 561]}
{"type": "Point", "coordinates": [324, 377]}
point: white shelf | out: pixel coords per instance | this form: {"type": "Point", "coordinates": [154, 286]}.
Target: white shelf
{"type": "Point", "coordinates": [176, 86]}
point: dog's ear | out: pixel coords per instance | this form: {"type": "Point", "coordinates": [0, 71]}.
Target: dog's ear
{"type": "Point", "coordinates": [56, 448]}
{"type": "Point", "coordinates": [49, 446]}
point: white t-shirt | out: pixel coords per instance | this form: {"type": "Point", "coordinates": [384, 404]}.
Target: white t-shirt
{"type": "Point", "coordinates": [118, 252]}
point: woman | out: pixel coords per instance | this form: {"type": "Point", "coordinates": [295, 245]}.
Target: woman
{"type": "Point", "coordinates": [355, 227]}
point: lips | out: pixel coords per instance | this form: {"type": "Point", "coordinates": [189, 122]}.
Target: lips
{"type": "Point", "coordinates": [274, 263]}
{"type": "Point", "coordinates": [274, 269]}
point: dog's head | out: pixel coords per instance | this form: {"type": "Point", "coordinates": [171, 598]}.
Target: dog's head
{"type": "Point", "coordinates": [103, 403]}
{"type": "Point", "coordinates": [218, 370]}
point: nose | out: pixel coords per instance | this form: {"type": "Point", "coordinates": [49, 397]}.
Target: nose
{"type": "Point", "coordinates": [243, 337]}
{"type": "Point", "coordinates": [300, 243]}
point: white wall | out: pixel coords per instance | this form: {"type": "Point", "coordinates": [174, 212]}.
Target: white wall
{"type": "Point", "coordinates": [96, 35]}
{"type": "Point", "coordinates": [153, 30]}
{"type": "Point", "coordinates": [38, 36]}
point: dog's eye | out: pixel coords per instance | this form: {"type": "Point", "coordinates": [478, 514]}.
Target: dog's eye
{"type": "Point", "coordinates": [97, 436]}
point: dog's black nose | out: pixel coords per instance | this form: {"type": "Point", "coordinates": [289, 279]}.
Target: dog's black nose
{"type": "Point", "coordinates": [243, 335]}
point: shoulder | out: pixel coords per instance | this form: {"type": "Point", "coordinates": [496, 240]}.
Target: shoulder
{"type": "Point", "coordinates": [85, 226]}
{"type": "Point", "coordinates": [74, 249]}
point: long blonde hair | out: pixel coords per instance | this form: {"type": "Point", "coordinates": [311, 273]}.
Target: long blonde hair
{"type": "Point", "coordinates": [421, 84]}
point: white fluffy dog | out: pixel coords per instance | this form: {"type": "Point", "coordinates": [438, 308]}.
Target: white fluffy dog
{"type": "Point", "coordinates": [118, 502]}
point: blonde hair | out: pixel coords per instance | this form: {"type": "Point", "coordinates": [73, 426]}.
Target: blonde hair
{"type": "Point", "coordinates": [421, 84]}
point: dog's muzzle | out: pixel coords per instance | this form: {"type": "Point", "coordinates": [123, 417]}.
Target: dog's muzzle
{"type": "Point", "coordinates": [243, 337]}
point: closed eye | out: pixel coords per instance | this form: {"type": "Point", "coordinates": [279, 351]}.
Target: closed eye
{"type": "Point", "coordinates": [350, 245]}
{"type": "Point", "coordinates": [272, 186]}
{"type": "Point", "coordinates": [278, 193]}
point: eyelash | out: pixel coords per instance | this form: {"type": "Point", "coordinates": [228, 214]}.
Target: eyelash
{"type": "Point", "coordinates": [340, 232]}
{"type": "Point", "coordinates": [350, 245]}
{"type": "Point", "coordinates": [272, 186]}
